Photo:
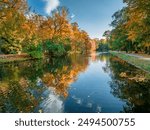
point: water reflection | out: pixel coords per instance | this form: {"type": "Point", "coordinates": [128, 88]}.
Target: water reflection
{"type": "Point", "coordinates": [53, 103]}
{"type": "Point", "coordinates": [38, 86]}
{"type": "Point", "coordinates": [135, 94]}
{"type": "Point", "coordinates": [77, 83]}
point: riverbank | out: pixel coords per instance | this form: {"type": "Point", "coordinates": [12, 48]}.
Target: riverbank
{"type": "Point", "coordinates": [10, 58]}
{"type": "Point", "coordinates": [141, 62]}
{"type": "Point", "coordinates": [14, 58]}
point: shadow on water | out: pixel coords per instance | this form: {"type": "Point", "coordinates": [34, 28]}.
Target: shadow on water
{"type": "Point", "coordinates": [77, 83]}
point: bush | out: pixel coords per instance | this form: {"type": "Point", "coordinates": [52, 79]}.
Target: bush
{"type": "Point", "coordinates": [11, 48]}
{"type": "Point", "coordinates": [67, 47]}
{"type": "Point", "coordinates": [55, 49]}
{"type": "Point", "coordinates": [35, 51]}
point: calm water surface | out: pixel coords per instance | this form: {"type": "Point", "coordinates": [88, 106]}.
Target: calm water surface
{"type": "Point", "coordinates": [73, 84]}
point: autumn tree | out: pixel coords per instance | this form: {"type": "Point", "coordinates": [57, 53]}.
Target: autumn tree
{"type": "Point", "coordinates": [11, 31]}
{"type": "Point", "coordinates": [61, 26]}
{"type": "Point", "coordinates": [131, 27]}
{"type": "Point", "coordinates": [138, 24]}
{"type": "Point", "coordinates": [22, 30]}
{"type": "Point", "coordinates": [81, 40]}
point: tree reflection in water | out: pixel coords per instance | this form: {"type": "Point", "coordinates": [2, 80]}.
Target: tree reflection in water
{"type": "Point", "coordinates": [135, 94]}
{"type": "Point", "coordinates": [44, 85]}
{"type": "Point", "coordinates": [38, 86]}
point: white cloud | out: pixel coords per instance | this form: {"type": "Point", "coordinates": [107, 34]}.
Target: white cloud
{"type": "Point", "coordinates": [30, 15]}
{"type": "Point", "coordinates": [72, 16]}
{"type": "Point", "coordinates": [53, 103]}
{"type": "Point", "coordinates": [51, 5]}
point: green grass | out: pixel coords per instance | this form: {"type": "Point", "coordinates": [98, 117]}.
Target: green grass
{"type": "Point", "coordinates": [139, 63]}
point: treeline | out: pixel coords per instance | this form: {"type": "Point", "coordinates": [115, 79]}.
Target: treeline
{"type": "Point", "coordinates": [102, 45]}
{"type": "Point", "coordinates": [24, 31]}
{"type": "Point", "coordinates": [131, 27]}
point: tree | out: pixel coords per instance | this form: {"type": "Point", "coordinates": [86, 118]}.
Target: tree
{"type": "Point", "coordinates": [137, 25]}
{"type": "Point", "coordinates": [11, 31]}
{"type": "Point", "coordinates": [61, 26]}
{"type": "Point", "coordinates": [131, 27]}
{"type": "Point", "coordinates": [21, 30]}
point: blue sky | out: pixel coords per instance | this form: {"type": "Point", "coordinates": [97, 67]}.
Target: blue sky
{"type": "Point", "coordinates": [93, 16]}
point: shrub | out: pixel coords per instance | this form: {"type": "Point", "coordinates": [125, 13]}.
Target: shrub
{"type": "Point", "coordinates": [55, 49]}
{"type": "Point", "coordinates": [11, 48]}
{"type": "Point", "coordinates": [35, 51]}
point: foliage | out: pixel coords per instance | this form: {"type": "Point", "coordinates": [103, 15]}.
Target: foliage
{"type": "Point", "coordinates": [34, 51]}
{"type": "Point", "coordinates": [55, 49]}
{"type": "Point", "coordinates": [131, 27]}
{"type": "Point", "coordinates": [103, 46]}
{"type": "Point", "coordinates": [9, 48]}
{"type": "Point", "coordinates": [11, 21]}
{"type": "Point", "coordinates": [20, 27]}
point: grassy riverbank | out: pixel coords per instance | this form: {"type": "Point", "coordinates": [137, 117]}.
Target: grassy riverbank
{"type": "Point", "coordinates": [138, 62]}
{"type": "Point", "coordinates": [14, 58]}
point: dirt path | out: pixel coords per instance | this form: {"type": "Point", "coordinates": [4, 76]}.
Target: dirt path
{"type": "Point", "coordinates": [140, 56]}
{"type": "Point", "coordinates": [11, 56]}
{"type": "Point", "coordinates": [146, 57]}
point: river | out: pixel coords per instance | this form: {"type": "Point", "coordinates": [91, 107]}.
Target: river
{"type": "Point", "coordinates": [95, 83]}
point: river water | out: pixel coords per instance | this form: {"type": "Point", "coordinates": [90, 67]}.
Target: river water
{"type": "Point", "coordinates": [93, 83]}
